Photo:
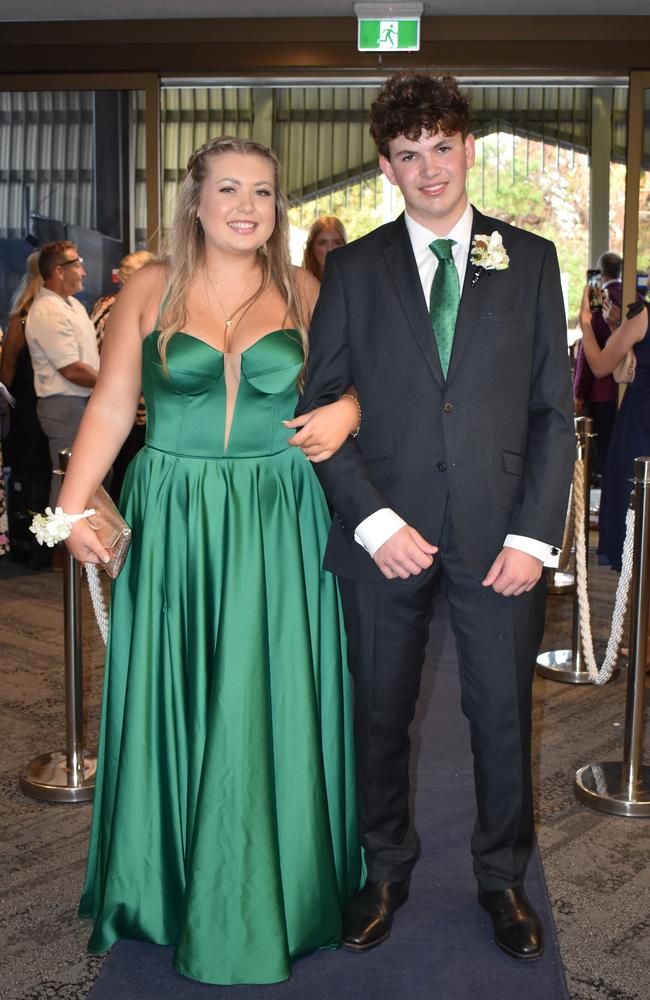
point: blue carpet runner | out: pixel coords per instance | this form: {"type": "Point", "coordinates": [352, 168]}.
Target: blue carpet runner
{"type": "Point", "coordinates": [441, 947]}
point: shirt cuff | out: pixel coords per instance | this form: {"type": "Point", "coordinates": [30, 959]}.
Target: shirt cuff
{"type": "Point", "coordinates": [548, 554]}
{"type": "Point", "coordinates": [377, 529]}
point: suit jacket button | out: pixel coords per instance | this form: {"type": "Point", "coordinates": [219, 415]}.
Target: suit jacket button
{"type": "Point", "coordinates": [441, 466]}
{"type": "Point", "coordinates": [448, 407]}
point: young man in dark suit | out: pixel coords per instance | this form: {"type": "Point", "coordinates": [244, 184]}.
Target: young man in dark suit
{"type": "Point", "coordinates": [451, 326]}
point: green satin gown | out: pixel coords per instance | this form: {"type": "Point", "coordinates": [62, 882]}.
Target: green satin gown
{"type": "Point", "coordinates": [224, 819]}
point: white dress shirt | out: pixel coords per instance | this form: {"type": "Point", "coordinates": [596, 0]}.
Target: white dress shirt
{"type": "Point", "coordinates": [58, 333]}
{"type": "Point", "coordinates": [376, 529]}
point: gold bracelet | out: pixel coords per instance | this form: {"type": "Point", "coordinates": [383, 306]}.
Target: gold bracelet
{"type": "Point", "coordinates": [348, 395]}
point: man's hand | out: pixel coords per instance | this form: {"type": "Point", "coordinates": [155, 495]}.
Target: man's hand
{"type": "Point", "coordinates": [611, 314]}
{"type": "Point", "coordinates": [513, 572]}
{"type": "Point", "coordinates": [404, 554]}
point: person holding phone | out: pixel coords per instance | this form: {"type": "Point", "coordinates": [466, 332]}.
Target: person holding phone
{"type": "Point", "coordinates": [597, 397]}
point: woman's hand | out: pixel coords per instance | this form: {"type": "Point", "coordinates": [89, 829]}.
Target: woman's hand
{"type": "Point", "coordinates": [585, 308]}
{"type": "Point", "coordinates": [84, 545]}
{"type": "Point", "coordinates": [324, 429]}
{"type": "Point", "coordinates": [603, 361]}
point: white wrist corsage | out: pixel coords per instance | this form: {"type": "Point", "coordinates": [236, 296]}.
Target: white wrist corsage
{"type": "Point", "coordinates": [488, 254]}
{"type": "Point", "coordinates": [52, 527]}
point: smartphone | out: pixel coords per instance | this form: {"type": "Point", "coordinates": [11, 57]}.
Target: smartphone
{"type": "Point", "coordinates": [594, 284]}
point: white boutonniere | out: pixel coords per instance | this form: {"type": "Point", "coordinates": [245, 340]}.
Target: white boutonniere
{"type": "Point", "coordinates": [488, 254]}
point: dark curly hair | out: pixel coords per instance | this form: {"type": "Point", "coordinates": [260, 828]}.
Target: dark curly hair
{"type": "Point", "coordinates": [409, 103]}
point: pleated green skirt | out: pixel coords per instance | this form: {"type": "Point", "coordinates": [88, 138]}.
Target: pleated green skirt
{"type": "Point", "coordinates": [224, 819]}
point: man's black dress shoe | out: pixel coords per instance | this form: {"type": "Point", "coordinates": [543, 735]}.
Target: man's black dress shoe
{"type": "Point", "coordinates": [368, 916]}
{"type": "Point", "coordinates": [517, 928]}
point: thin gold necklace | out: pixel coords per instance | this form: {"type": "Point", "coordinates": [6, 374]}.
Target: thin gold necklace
{"type": "Point", "coordinates": [228, 319]}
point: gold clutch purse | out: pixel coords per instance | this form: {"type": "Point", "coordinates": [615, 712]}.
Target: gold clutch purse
{"type": "Point", "coordinates": [111, 529]}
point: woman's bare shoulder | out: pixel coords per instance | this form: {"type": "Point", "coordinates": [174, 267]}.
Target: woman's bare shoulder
{"type": "Point", "coordinates": [636, 321]}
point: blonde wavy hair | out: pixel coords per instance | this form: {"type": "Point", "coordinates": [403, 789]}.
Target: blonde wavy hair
{"type": "Point", "coordinates": [132, 263]}
{"type": "Point", "coordinates": [185, 251]}
{"type": "Point", "coordinates": [30, 284]}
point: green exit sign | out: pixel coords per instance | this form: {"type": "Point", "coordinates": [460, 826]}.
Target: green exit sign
{"type": "Point", "coordinates": [389, 35]}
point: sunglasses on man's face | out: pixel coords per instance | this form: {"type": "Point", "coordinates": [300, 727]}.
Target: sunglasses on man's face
{"type": "Point", "coordinates": [75, 260]}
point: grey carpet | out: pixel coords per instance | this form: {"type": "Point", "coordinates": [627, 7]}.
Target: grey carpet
{"type": "Point", "coordinates": [597, 866]}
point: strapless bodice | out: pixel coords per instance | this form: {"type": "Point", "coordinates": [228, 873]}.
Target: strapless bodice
{"type": "Point", "coordinates": [187, 407]}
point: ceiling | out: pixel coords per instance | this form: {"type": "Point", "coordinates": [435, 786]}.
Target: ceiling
{"type": "Point", "coordinates": [93, 10]}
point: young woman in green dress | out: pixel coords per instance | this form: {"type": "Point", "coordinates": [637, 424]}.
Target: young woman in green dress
{"type": "Point", "coordinates": [224, 819]}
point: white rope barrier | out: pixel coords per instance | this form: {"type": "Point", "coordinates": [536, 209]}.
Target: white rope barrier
{"type": "Point", "coordinates": [602, 675]}
{"type": "Point", "coordinates": [97, 598]}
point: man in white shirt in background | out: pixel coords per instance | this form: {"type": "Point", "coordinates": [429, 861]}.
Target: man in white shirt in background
{"type": "Point", "coordinates": [63, 348]}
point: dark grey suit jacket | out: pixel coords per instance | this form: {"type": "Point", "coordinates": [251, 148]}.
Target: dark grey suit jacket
{"type": "Point", "coordinates": [496, 437]}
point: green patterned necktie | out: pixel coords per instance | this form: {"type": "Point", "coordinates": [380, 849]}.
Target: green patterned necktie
{"type": "Point", "coordinates": [444, 300]}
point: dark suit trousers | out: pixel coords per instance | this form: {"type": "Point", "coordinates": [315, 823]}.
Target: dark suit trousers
{"type": "Point", "coordinates": [497, 638]}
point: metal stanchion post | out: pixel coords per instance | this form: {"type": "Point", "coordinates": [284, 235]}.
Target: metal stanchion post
{"type": "Point", "coordinates": [567, 665]}
{"type": "Point", "coordinates": [560, 581]}
{"type": "Point", "coordinates": [67, 776]}
{"type": "Point", "coordinates": [624, 788]}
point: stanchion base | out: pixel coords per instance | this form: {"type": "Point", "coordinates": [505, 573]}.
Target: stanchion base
{"type": "Point", "coordinates": [605, 787]}
{"type": "Point", "coordinates": [46, 777]}
{"type": "Point", "coordinates": [559, 582]}
{"type": "Point", "coordinates": [557, 665]}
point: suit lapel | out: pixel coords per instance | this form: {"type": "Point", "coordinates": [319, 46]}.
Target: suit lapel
{"type": "Point", "coordinates": [470, 301]}
{"type": "Point", "coordinates": [403, 270]}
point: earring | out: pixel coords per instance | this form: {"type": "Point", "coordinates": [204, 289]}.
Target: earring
{"type": "Point", "coordinates": [199, 227]}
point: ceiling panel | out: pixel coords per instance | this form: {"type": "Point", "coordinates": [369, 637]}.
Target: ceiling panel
{"type": "Point", "coordinates": [86, 10]}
